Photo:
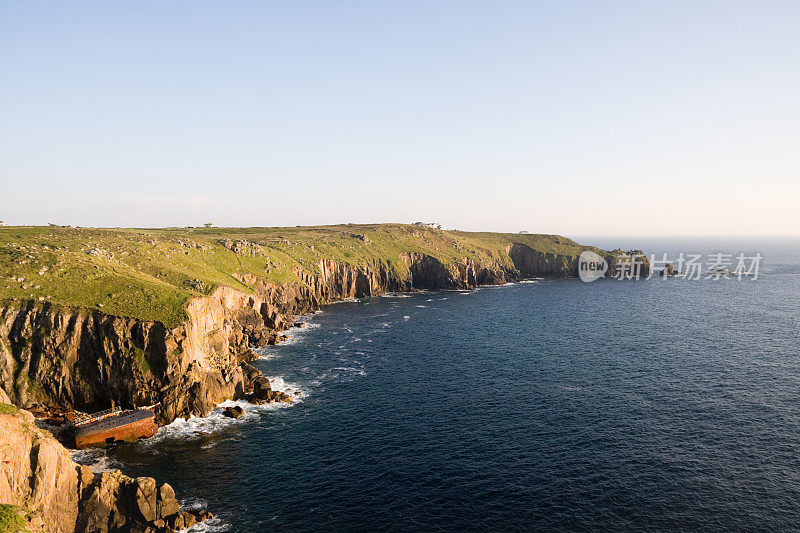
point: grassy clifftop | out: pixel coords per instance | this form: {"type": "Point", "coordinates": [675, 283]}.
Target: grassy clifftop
{"type": "Point", "coordinates": [151, 273]}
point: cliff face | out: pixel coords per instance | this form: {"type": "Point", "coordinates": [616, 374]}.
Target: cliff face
{"type": "Point", "coordinates": [90, 361]}
{"type": "Point", "coordinates": [424, 272]}
{"type": "Point", "coordinates": [37, 473]}
{"type": "Point", "coordinates": [529, 262]}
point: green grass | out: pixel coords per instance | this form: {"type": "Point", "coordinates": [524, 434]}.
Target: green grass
{"type": "Point", "coordinates": [11, 521]}
{"type": "Point", "coordinates": [8, 409]}
{"type": "Point", "coordinates": [151, 273]}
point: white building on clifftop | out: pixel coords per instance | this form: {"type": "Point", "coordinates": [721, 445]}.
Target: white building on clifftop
{"type": "Point", "coordinates": [434, 225]}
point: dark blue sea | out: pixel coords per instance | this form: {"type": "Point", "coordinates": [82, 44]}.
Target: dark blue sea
{"type": "Point", "coordinates": [551, 405]}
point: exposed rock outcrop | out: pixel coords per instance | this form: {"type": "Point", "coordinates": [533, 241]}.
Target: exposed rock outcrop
{"type": "Point", "coordinates": [530, 262]}
{"type": "Point", "coordinates": [87, 360]}
{"type": "Point", "coordinates": [233, 412]}
{"type": "Point", "coordinates": [90, 361]}
{"type": "Point", "coordinates": [37, 473]}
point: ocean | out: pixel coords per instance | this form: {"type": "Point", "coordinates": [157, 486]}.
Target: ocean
{"type": "Point", "coordinates": [551, 405]}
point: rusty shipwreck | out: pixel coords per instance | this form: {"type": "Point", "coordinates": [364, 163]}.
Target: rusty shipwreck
{"type": "Point", "coordinates": [114, 425]}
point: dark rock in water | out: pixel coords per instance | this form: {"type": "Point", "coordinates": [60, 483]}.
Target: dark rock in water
{"type": "Point", "coordinates": [669, 270]}
{"type": "Point", "coordinates": [299, 325]}
{"type": "Point", "coordinates": [282, 397]}
{"type": "Point", "coordinates": [261, 388]}
{"type": "Point", "coordinates": [189, 519]}
{"type": "Point", "coordinates": [269, 396]}
{"type": "Point", "coordinates": [233, 412]}
{"type": "Point", "coordinates": [278, 396]}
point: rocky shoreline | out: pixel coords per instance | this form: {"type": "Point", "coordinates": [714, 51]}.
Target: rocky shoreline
{"type": "Point", "coordinates": [38, 475]}
{"type": "Point", "coordinates": [85, 360]}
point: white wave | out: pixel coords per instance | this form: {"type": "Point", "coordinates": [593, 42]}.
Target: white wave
{"type": "Point", "coordinates": [193, 504]}
{"type": "Point", "coordinates": [529, 281]}
{"type": "Point", "coordinates": [395, 295]}
{"type": "Point", "coordinates": [214, 525]}
{"type": "Point", "coordinates": [344, 300]}
{"type": "Point", "coordinates": [350, 370]}
{"type": "Point", "coordinates": [308, 326]}
{"type": "Point", "coordinates": [294, 335]}
{"type": "Point", "coordinates": [406, 317]}
{"type": "Point", "coordinates": [421, 306]}
{"type": "Point", "coordinates": [97, 459]}
{"type": "Point", "coordinates": [279, 384]}
{"type": "Point", "coordinates": [196, 427]}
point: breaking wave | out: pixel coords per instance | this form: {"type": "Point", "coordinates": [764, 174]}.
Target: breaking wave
{"type": "Point", "coordinates": [97, 459]}
{"type": "Point", "coordinates": [197, 427]}
{"type": "Point", "coordinates": [213, 525]}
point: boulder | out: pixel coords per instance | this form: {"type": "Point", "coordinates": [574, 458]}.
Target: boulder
{"type": "Point", "coordinates": [167, 503]}
{"type": "Point", "coordinates": [145, 498]}
{"type": "Point", "coordinates": [233, 412]}
{"type": "Point", "coordinates": [282, 397]}
{"type": "Point", "coordinates": [189, 519]}
{"type": "Point", "coordinates": [250, 373]}
{"type": "Point", "coordinates": [176, 522]}
{"type": "Point", "coordinates": [271, 396]}
{"type": "Point", "coordinates": [261, 388]}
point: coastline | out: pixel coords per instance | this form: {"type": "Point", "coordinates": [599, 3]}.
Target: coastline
{"type": "Point", "coordinates": [201, 367]}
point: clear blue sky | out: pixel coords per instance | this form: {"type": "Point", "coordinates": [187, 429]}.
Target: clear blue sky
{"type": "Point", "coordinates": [637, 117]}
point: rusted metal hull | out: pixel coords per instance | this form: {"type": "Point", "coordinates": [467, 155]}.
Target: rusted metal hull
{"type": "Point", "coordinates": [127, 426]}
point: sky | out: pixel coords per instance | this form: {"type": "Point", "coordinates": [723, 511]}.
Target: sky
{"type": "Point", "coordinates": [568, 117]}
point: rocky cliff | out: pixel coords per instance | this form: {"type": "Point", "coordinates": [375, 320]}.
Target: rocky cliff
{"type": "Point", "coordinates": [92, 319]}
{"type": "Point", "coordinates": [60, 496]}
{"type": "Point", "coordinates": [88, 360]}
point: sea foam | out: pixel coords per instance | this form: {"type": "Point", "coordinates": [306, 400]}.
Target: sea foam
{"type": "Point", "coordinates": [97, 459]}
{"type": "Point", "coordinates": [196, 427]}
